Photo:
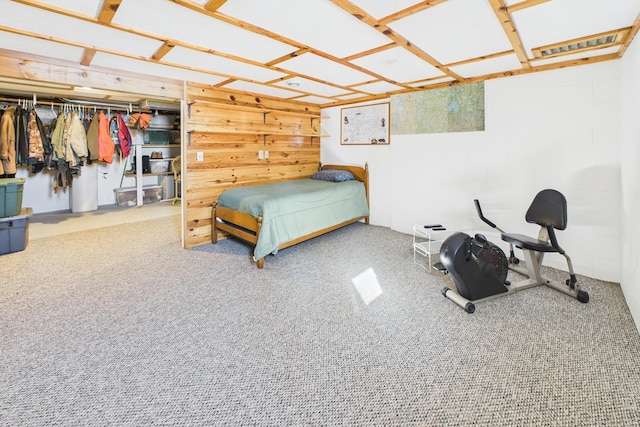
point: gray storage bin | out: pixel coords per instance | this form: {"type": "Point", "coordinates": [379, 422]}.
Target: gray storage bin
{"type": "Point", "coordinates": [14, 232]}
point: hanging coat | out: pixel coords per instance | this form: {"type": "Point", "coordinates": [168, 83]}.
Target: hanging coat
{"type": "Point", "coordinates": [126, 141]}
{"type": "Point", "coordinates": [7, 143]}
{"type": "Point", "coordinates": [75, 140]}
{"type": "Point", "coordinates": [22, 135]}
{"type": "Point", "coordinates": [38, 139]}
{"type": "Point", "coordinates": [36, 145]}
{"type": "Point", "coordinates": [57, 139]}
{"type": "Point", "coordinates": [106, 146]}
{"type": "Point", "coordinates": [123, 135]}
{"type": "Point", "coordinates": [92, 139]}
{"type": "Point", "coordinates": [46, 143]}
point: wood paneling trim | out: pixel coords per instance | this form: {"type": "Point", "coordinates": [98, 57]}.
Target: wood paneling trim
{"type": "Point", "coordinates": [30, 67]}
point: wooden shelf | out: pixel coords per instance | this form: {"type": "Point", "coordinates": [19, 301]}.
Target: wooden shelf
{"type": "Point", "coordinates": [133, 174]}
{"type": "Point", "coordinates": [158, 145]}
{"type": "Point", "coordinates": [231, 132]}
{"type": "Point", "coordinates": [254, 109]}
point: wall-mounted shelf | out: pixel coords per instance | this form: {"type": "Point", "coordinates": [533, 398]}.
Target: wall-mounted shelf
{"type": "Point", "coordinates": [265, 133]}
{"type": "Point", "coordinates": [254, 109]}
{"type": "Point", "coordinates": [159, 145]}
{"type": "Point", "coordinates": [257, 133]}
{"type": "Point", "coordinates": [135, 174]}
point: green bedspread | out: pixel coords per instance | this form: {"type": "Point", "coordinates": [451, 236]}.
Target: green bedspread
{"type": "Point", "coordinates": [293, 209]}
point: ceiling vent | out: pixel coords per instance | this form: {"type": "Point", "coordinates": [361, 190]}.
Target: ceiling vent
{"type": "Point", "coordinates": [597, 41]}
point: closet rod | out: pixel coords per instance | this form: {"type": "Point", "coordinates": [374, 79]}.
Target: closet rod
{"type": "Point", "coordinates": [86, 104]}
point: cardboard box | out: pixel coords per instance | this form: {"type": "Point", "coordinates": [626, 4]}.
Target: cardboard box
{"type": "Point", "coordinates": [14, 232]}
{"type": "Point", "coordinates": [11, 196]}
{"type": "Point", "coordinates": [128, 196]}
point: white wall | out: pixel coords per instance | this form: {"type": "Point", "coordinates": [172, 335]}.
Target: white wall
{"type": "Point", "coordinates": [557, 129]}
{"type": "Point", "coordinates": [630, 156]}
{"type": "Point", "coordinates": [38, 190]}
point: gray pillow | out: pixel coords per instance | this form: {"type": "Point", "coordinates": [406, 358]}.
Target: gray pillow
{"type": "Point", "coordinates": [334, 175]}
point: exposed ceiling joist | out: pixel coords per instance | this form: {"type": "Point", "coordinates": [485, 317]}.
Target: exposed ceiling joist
{"type": "Point", "coordinates": [409, 11]}
{"type": "Point", "coordinates": [510, 30]}
{"type": "Point", "coordinates": [336, 51]}
{"type": "Point", "coordinates": [213, 5]}
{"type": "Point", "coordinates": [396, 38]}
{"type": "Point", "coordinates": [630, 36]}
{"type": "Point", "coordinates": [108, 11]}
{"type": "Point", "coordinates": [160, 53]}
{"type": "Point", "coordinates": [525, 4]}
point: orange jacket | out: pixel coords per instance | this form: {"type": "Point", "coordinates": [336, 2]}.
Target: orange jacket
{"type": "Point", "coordinates": [106, 146]}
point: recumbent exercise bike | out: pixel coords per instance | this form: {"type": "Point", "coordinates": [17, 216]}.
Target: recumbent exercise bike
{"type": "Point", "coordinates": [479, 268]}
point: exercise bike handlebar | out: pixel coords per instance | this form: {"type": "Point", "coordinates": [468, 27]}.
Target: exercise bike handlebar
{"type": "Point", "coordinates": [482, 217]}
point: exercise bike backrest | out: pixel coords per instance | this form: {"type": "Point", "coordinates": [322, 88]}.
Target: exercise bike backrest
{"type": "Point", "coordinates": [549, 211]}
{"type": "Point", "coordinates": [549, 208]}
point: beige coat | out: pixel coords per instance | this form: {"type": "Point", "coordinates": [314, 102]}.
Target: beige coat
{"type": "Point", "coordinates": [7, 143]}
{"type": "Point", "coordinates": [74, 140]}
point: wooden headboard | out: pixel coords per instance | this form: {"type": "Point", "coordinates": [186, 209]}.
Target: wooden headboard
{"type": "Point", "coordinates": [360, 173]}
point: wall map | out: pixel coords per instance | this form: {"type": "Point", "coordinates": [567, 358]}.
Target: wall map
{"type": "Point", "coordinates": [457, 108]}
{"type": "Point", "coordinates": [368, 124]}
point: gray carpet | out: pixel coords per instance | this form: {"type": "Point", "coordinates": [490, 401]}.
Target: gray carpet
{"type": "Point", "coordinates": [120, 326]}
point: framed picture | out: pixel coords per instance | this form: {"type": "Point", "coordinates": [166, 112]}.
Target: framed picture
{"type": "Point", "coordinates": [365, 125]}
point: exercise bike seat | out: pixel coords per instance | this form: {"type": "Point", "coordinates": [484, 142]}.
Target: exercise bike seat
{"type": "Point", "coordinates": [549, 211]}
{"type": "Point", "coordinates": [526, 242]}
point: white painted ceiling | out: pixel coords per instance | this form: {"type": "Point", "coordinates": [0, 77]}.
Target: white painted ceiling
{"type": "Point", "coordinates": [327, 52]}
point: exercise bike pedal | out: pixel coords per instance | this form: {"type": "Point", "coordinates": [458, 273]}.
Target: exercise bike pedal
{"type": "Point", "coordinates": [440, 267]}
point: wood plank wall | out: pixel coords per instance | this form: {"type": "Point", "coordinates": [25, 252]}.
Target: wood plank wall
{"type": "Point", "coordinates": [229, 129]}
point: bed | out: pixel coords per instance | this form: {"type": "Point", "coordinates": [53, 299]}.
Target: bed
{"type": "Point", "coordinates": [277, 215]}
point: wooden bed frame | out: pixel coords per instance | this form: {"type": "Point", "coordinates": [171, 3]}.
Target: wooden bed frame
{"type": "Point", "coordinates": [247, 228]}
